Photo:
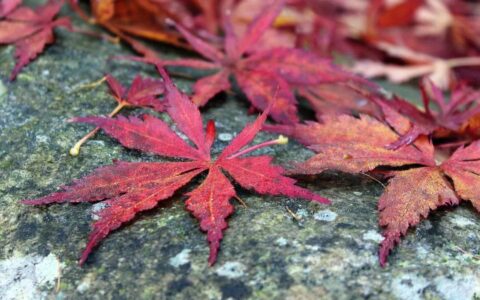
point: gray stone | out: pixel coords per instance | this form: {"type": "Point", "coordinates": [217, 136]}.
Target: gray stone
{"type": "Point", "coordinates": [225, 137]}
{"type": "Point", "coordinates": [181, 258]}
{"type": "Point", "coordinates": [325, 215]}
{"type": "Point", "coordinates": [231, 269]}
{"type": "Point", "coordinates": [409, 287]}
{"type": "Point", "coordinates": [23, 277]}
{"type": "Point", "coordinates": [373, 235]}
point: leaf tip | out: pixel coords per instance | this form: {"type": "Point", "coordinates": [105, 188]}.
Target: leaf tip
{"type": "Point", "coordinates": [28, 202]}
{"type": "Point", "coordinates": [82, 260]}
{"type": "Point", "coordinates": [322, 200]}
{"type": "Point", "coordinates": [212, 258]}
{"type": "Point", "coordinates": [386, 247]}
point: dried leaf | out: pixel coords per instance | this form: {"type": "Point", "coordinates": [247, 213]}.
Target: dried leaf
{"type": "Point", "coordinates": [421, 185]}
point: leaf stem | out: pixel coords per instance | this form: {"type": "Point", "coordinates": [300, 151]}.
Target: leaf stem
{"type": "Point", "coordinates": [241, 201]}
{"type": "Point", "coordinates": [91, 84]}
{"type": "Point", "coordinates": [281, 140]}
{"type": "Point", "coordinates": [374, 179]}
{"type": "Point", "coordinates": [294, 215]}
{"type": "Point", "coordinates": [463, 61]}
{"type": "Point", "coordinates": [75, 150]}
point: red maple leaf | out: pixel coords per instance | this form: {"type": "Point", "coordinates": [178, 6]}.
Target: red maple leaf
{"type": "Point", "coordinates": [129, 188]}
{"type": "Point", "coordinates": [265, 76]}
{"type": "Point", "coordinates": [337, 99]}
{"type": "Point", "coordinates": [30, 31]}
{"type": "Point", "coordinates": [8, 6]}
{"type": "Point", "coordinates": [447, 120]}
{"type": "Point", "coordinates": [422, 184]}
{"type": "Point", "coordinates": [143, 92]}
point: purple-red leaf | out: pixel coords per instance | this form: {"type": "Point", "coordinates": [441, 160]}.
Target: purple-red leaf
{"type": "Point", "coordinates": [129, 188]}
{"type": "Point", "coordinates": [30, 31]}
{"type": "Point", "coordinates": [143, 92]}
{"type": "Point", "coordinates": [268, 76]}
{"type": "Point", "coordinates": [265, 89]}
{"type": "Point", "coordinates": [299, 67]}
{"type": "Point", "coordinates": [207, 87]}
{"type": "Point", "coordinates": [7, 6]}
{"type": "Point", "coordinates": [210, 204]}
{"type": "Point", "coordinates": [448, 118]}
{"type": "Point", "coordinates": [258, 27]}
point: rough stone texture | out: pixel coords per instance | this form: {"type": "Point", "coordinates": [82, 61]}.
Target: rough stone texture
{"type": "Point", "coordinates": [330, 253]}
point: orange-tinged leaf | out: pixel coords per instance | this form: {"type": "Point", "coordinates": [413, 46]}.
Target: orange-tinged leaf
{"type": "Point", "coordinates": [419, 182]}
{"type": "Point", "coordinates": [151, 32]}
{"type": "Point", "coordinates": [400, 14]}
{"type": "Point", "coordinates": [409, 197]}
{"type": "Point", "coordinates": [342, 143]}
{"type": "Point", "coordinates": [103, 10]}
{"type": "Point", "coordinates": [463, 168]}
{"type": "Point", "coordinates": [141, 18]}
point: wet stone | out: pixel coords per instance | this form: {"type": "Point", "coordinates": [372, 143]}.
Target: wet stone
{"type": "Point", "coordinates": [265, 254]}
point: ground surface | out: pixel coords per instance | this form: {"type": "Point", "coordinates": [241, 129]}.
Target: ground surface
{"type": "Point", "coordinates": [330, 253]}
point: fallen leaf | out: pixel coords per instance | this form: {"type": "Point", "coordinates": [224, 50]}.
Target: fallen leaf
{"type": "Point", "coordinates": [338, 99]}
{"type": "Point", "coordinates": [129, 188]}
{"type": "Point", "coordinates": [443, 119]}
{"type": "Point", "coordinates": [141, 18]}
{"type": "Point", "coordinates": [8, 6]}
{"type": "Point", "coordinates": [30, 31]}
{"type": "Point", "coordinates": [399, 14]}
{"type": "Point", "coordinates": [143, 92]}
{"type": "Point", "coordinates": [419, 182]}
{"type": "Point", "coordinates": [277, 35]}
{"type": "Point", "coordinates": [265, 76]}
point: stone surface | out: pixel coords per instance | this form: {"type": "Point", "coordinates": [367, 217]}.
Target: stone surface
{"type": "Point", "coordinates": [266, 253]}
{"type": "Point", "coordinates": [21, 277]}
